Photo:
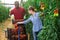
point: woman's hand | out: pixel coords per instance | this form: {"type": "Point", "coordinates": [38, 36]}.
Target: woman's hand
{"type": "Point", "coordinates": [19, 22]}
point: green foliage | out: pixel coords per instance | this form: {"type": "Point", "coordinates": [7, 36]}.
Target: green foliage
{"type": "Point", "coordinates": [4, 13]}
{"type": "Point", "coordinates": [49, 31]}
{"type": "Point", "coordinates": [58, 20]}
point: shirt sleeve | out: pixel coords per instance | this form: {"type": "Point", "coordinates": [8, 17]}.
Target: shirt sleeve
{"type": "Point", "coordinates": [27, 21]}
{"type": "Point", "coordinates": [37, 14]}
{"type": "Point", "coordinates": [11, 12]}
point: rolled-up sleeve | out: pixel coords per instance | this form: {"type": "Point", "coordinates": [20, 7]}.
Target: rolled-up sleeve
{"type": "Point", "coordinates": [11, 12]}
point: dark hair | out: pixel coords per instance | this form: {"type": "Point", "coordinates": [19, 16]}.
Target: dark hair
{"type": "Point", "coordinates": [16, 1]}
{"type": "Point", "coordinates": [31, 8]}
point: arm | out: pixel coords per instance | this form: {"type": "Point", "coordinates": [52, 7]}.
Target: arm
{"type": "Point", "coordinates": [25, 22]}
{"type": "Point", "coordinates": [11, 12]}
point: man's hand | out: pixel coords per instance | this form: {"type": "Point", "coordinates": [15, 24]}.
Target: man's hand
{"type": "Point", "coordinates": [12, 16]}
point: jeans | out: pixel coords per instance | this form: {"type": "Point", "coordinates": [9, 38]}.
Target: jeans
{"type": "Point", "coordinates": [35, 35]}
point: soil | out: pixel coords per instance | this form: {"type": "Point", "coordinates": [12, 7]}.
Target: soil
{"type": "Point", "coordinates": [3, 27]}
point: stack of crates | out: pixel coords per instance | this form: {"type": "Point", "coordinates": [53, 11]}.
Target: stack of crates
{"type": "Point", "coordinates": [13, 33]}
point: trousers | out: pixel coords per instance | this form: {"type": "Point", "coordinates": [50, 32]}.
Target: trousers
{"type": "Point", "coordinates": [35, 35]}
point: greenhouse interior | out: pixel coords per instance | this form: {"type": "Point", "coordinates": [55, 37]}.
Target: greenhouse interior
{"type": "Point", "coordinates": [29, 19]}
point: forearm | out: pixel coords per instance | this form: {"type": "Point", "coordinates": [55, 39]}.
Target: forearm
{"type": "Point", "coordinates": [23, 22]}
